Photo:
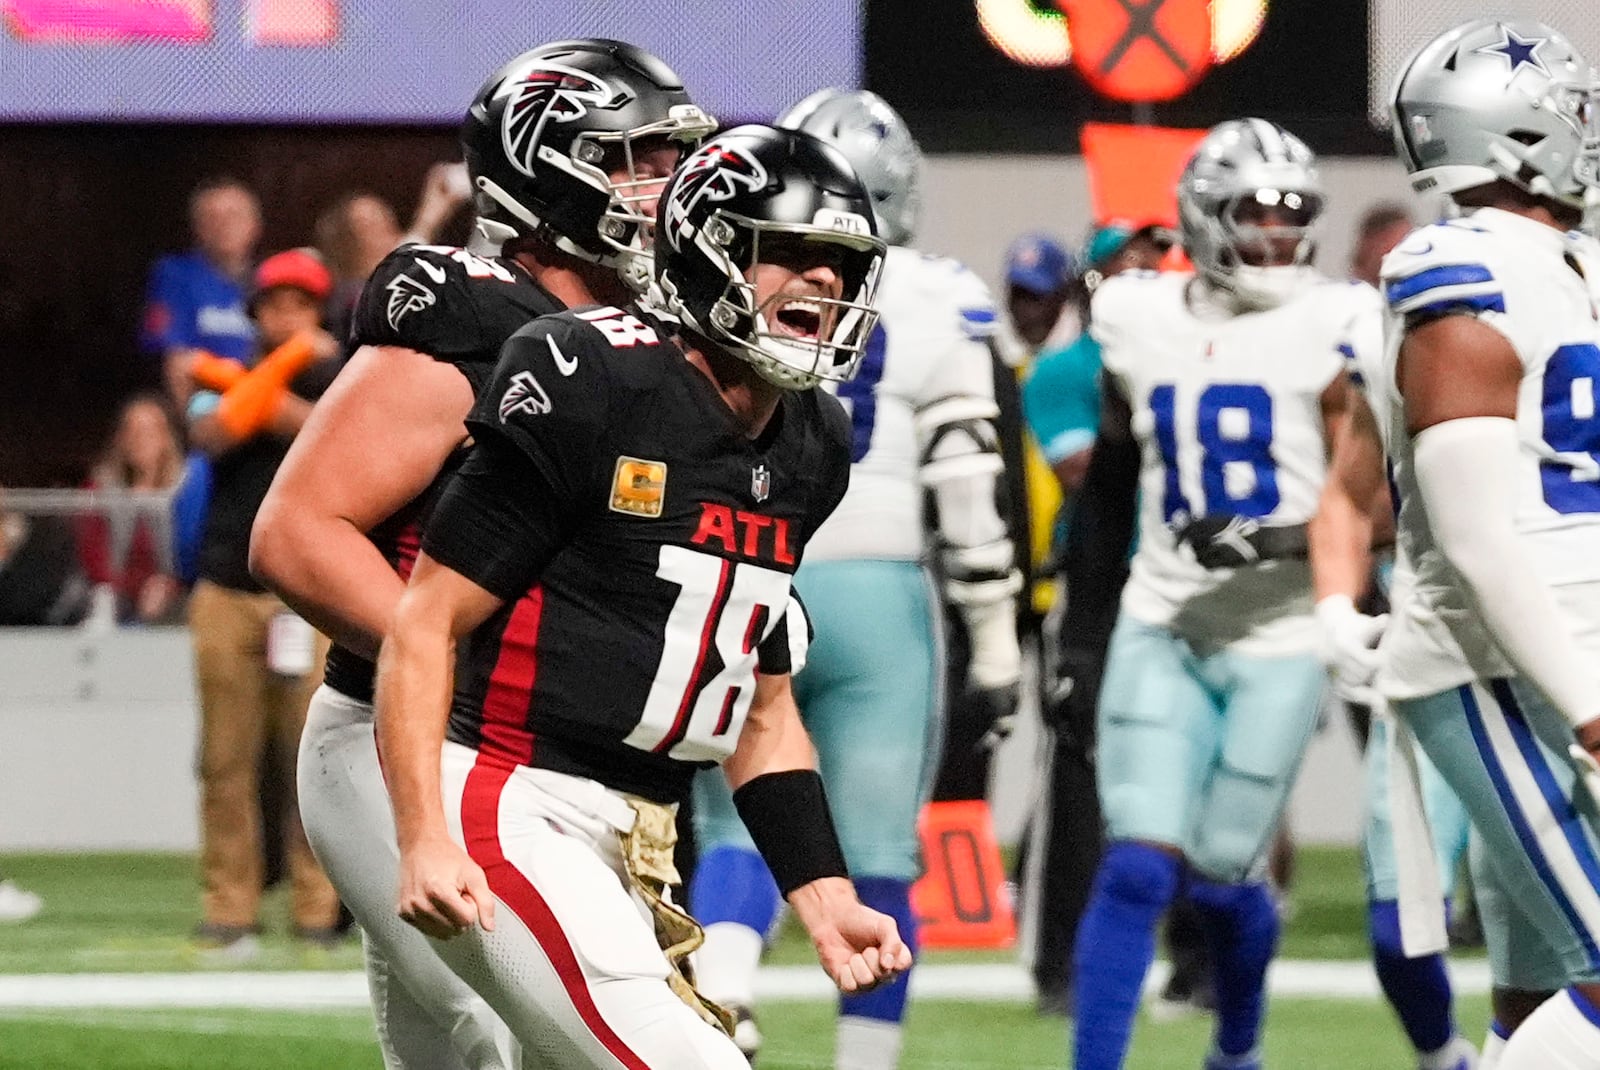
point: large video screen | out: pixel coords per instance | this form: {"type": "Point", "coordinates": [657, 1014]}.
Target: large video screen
{"type": "Point", "coordinates": [389, 61]}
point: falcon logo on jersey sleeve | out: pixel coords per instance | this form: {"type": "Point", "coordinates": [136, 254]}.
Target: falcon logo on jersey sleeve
{"type": "Point", "coordinates": [407, 295]}
{"type": "Point", "coordinates": [714, 173]}
{"type": "Point", "coordinates": [547, 91]}
{"type": "Point", "coordinates": [524, 395]}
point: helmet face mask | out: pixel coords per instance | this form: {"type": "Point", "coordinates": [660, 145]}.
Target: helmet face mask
{"type": "Point", "coordinates": [1492, 101]}
{"type": "Point", "coordinates": [558, 143]}
{"type": "Point", "coordinates": [745, 224]}
{"type": "Point", "coordinates": [1588, 165]}
{"type": "Point", "coordinates": [1248, 204]}
{"type": "Point", "coordinates": [795, 337]}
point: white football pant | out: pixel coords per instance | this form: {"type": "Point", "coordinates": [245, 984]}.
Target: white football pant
{"type": "Point", "coordinates": [427, 1017]}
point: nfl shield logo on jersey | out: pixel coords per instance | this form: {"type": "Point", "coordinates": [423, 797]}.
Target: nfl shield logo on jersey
{"type": "Point", "coordinates": [760, 482]}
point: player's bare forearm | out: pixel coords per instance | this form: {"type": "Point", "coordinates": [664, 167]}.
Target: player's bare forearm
{"type": "Point", "coordinates": [415, 677]}
{"type": "Point", "coordinates": [310, 541]}
{"type": "Point", "coordinates": [1340, 534]}
{"type": "Point", "coordinates": [773, 739]}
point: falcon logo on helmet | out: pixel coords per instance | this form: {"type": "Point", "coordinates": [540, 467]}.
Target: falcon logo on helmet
{"type": "Point", "coordinates": [547, 91]}
{"type": "Point", "coordinates": [714, 173]}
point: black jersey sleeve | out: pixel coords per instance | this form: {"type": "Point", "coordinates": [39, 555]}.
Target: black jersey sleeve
{"type": "Point", "coordinates": [442, 301]}
{"type": "Point", "coordinates": [784, 649]}
{"type": "Point", "coordinates": [498, 522]}
{"type": "Point", "coordinates": [550, 399]}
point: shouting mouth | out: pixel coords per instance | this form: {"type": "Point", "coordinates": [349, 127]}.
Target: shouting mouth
{"type": "Point", "coordinates": [799, 318]}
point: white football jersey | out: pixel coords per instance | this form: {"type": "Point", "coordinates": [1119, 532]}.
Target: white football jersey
{"type": "Point", "coordinates": [1541, 289]}
{"type": "Point", "coordinates": [1227, 409]}
{"type": "Point", "coordinates": [931, 343]}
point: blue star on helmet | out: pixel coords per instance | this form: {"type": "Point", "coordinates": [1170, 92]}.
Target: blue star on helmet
{"type": "Point", "coordinates": [1518, 52]}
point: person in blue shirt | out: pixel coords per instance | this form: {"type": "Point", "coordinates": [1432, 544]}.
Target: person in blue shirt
{"type": "Point", "coordinates": [196, 300]}
{"type": "Point", "coordinates": [1061, 403]}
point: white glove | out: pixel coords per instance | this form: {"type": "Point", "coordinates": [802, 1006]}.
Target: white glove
{"type": "Point", "coordinates": [996, 660]}
{"type": "Point", "coordinates": [1347, 644]}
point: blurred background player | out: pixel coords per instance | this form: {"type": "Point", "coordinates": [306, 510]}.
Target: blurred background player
{"type": "Point", "coordinates": [1492, 348]}
{"type": "Point", "coordinates": [921, 408]}
{"type": "Point", "coordinates": [256, 662]}
{"type": "Point", "coordinates": [337, 535]}
{"type": "Point", "coordinates": [1061, 400]}
{"type": "Point", "coordinates": [1229, 383]}
{"type": "Point", "coordinates": [634, 496]}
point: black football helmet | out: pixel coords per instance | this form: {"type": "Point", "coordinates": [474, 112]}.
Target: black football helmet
{"type": "Point", "coordinates": [543, 136]}
{"type": "Point", "coordinates": [754, 185]}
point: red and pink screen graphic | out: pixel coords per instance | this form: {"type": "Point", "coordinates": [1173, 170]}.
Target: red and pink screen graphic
{"type": "Point", "coordinates": [267, 22]}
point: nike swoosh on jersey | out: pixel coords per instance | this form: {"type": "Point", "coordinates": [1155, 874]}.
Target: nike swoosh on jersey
{"type": "Point", "coordinates": [435, 272]}
{"type": "Point", "coordinates": [564, 364]}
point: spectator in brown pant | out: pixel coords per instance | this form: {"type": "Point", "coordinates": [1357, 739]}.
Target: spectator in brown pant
{"type": "Point", "coordinates": [257, 664]}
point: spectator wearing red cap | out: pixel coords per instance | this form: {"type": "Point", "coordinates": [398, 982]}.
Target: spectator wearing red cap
{"type": "Point", "coordinates": [257, 663]}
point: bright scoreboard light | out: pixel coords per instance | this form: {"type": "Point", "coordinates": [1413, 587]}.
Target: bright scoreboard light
{"type": "Point", "coordinates": [1038, 34]}
{"type": "Point", "coordinates": [383, 61]}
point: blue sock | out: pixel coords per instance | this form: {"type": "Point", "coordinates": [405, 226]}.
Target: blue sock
{"type": "Point", "coordinates": [1243, 925]}
{"type": "Point", "coordinates": [1417, 989]}
{"type": "Point", "coordinates": [733, 884]}
{"type": "Point", "coordinates": [1116, 942]}
{"type": "Point", "coordinates": [891, 896]}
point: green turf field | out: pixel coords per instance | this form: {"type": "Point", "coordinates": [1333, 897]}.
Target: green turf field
{"type": "Point", "coordinates": [133, 913]}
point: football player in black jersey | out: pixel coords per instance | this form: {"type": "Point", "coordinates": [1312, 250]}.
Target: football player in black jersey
{"type": "Point", "coordinates": [567, 148]}
{"type": "Point", "coordinates": [611, 571]}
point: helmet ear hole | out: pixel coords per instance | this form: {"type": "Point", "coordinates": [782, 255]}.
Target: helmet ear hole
{"type": "Point", "coordinates": [1529, 138]}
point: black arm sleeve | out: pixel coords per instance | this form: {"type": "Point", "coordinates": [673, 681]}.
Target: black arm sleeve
{"type": "Point", "coordinates": [499, 522]}
{"type": "Point", "coordinates": [1099, 535]}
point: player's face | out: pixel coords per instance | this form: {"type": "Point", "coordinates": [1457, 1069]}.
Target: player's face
{"type": "Point", "coordinates": [790, 278]}
{"type": "Point", "coordinates": [283, 312]}
{"type": "Point", "coordinates": [652, 163]}
{"type": "Point", "coordinates": [1271, 226]}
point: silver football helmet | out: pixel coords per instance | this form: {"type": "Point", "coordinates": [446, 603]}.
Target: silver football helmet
{"type": "Point", "coordinates": [1499, 101]}
{"type": "Point", "coordinates": [1248, 200]}
{"type": "Point", "coordinates": [878, 145]}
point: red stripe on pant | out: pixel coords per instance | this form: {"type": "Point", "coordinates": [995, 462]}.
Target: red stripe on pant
{"type": "Point", "coordinates": [480, 827]}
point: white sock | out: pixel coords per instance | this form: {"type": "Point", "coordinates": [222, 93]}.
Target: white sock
{"type": "Point", "coordinates": [1563, 1034]}
{"type": "Point", "coordinates": [725, 965]}
{"type": "Point", "coordinates": [1448, 1057]}
{"type": "Point", "coordinates": [1494, 1045]}
{"type": "Point", "coordinates": [866, 1044]}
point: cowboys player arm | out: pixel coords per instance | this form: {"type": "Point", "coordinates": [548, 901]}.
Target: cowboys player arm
{"type": "Point", "coordinates": [1458, 372]}
{"type": "Point", "coordinates": [1352, 509]}
{"type": "Point", "coordinates": [509, 511]}
{"type": "Point", "coordinates": [400, 399]}
{"type": "Point", "coordinates": [962, 468]}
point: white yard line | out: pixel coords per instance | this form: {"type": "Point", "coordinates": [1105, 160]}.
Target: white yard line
{"type": "Point", "coordinates": [308, 990]}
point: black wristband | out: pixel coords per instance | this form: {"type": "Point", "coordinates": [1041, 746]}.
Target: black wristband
{"type": "Point", "coordinates": [787, 815]}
